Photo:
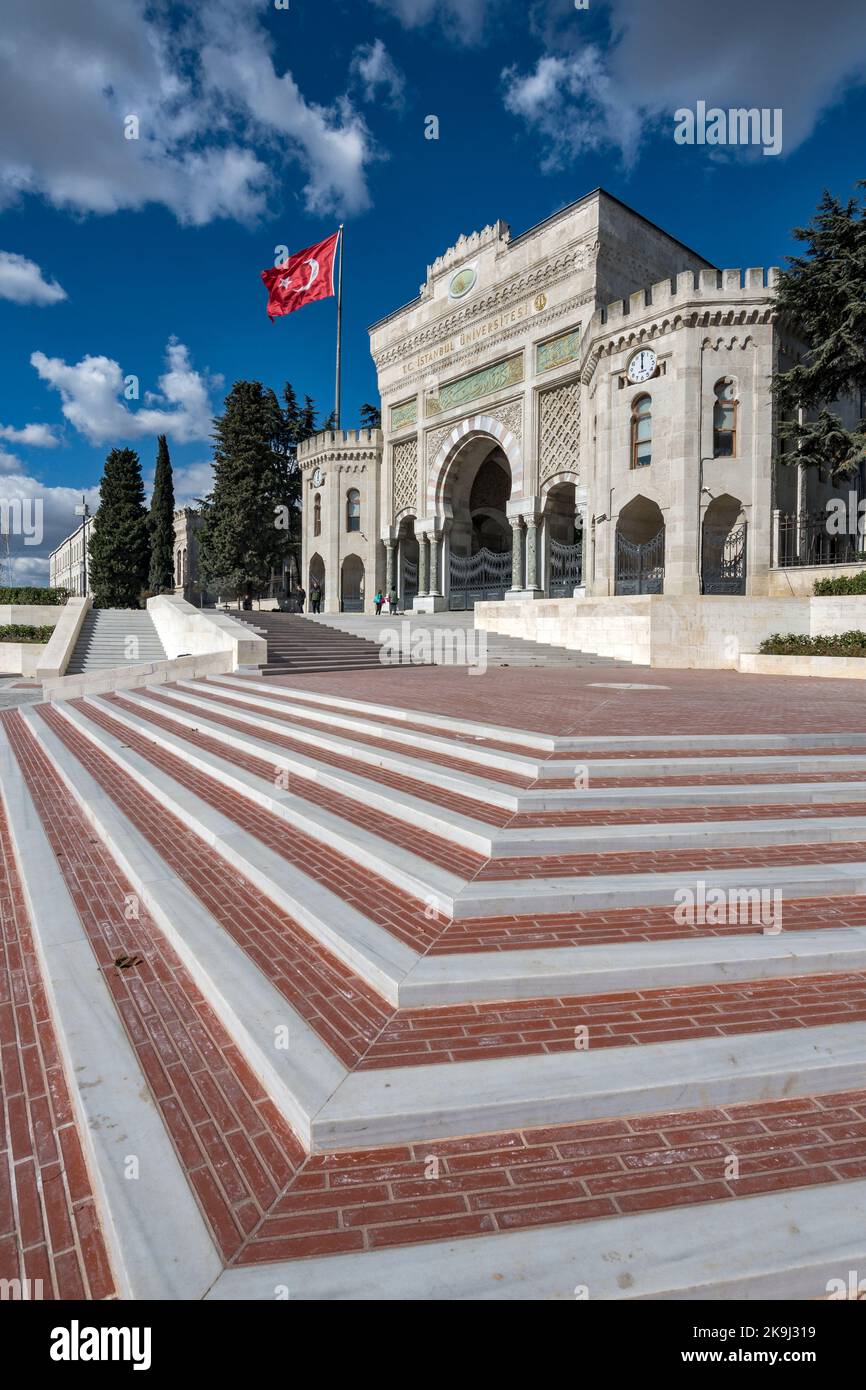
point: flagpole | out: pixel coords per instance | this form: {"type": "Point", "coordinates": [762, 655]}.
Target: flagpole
{"type": "Point", "coordinates": [339, 330]}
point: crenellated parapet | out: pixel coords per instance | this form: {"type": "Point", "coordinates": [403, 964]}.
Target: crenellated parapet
{"type": "Point", "coordinates": [496, 232]}
{"type": "Point", "coordinates": [349, 447]}
{"type": "Point", "coordinates": [708, 298]}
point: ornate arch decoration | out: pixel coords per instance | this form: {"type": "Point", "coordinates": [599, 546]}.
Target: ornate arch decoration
{"type": "Point", "coordinates": [473, 427]}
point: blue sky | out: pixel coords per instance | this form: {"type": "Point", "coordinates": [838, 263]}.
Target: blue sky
{"type": "Point", "coordinates": [261, 126]}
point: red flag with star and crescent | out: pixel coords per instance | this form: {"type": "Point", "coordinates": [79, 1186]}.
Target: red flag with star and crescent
{"type": "Point", "coordinates": [306, 276]}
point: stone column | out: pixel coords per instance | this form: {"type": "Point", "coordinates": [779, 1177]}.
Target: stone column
{"type": "Point", "coordinates": [516, 552]}
{"type": "Point", "coordinates": [777, 538]}
{"type": "Point", "coordinates": [423, 565]}
{"type": "Point", "coordinates": [531, 553]}
{"type": "Point", "coordinates": [434, 564]}
{"type": "Point", "coordinates": [390, 566]}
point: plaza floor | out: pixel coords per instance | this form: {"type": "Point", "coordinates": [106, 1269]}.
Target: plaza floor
{"type": "Point", "coordinates": [380, 985]}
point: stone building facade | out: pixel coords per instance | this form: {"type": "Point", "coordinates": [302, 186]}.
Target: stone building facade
{"type": "Point", "coordinates": [585, 408]}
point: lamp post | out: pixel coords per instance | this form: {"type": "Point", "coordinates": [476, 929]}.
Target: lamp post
{"type": "Point", "coordinates": [84, 512]}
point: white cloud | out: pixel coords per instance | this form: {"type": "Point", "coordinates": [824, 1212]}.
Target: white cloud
{"type": "Point", "coordinates": [192, 481]}
{"type": "Point", "coordinates": [57, 519]}
{"type": "Point", "coordinates": [462, 20]}
{"type": "Point", "coordinates": [580, 96]}
{"type": "Point", "coordinates": [91, 392]}
{"type": "Point", "coordinates": [9, 463]}
{"type": "Point", "coordinates": [36, 436]}
{"type": "Point", "coordinates": [218, 124]}
{"type": "Point", "coordinates": [374, 67]}
{"type": "Point", "coordinates": [23, 282]}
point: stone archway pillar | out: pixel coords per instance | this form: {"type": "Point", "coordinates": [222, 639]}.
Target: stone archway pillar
{"type": "Point", "coordinates": [390, 565]}
{"type": "Point", "coordinates": [524, 514]}
{"type": "Point", "coordinates": [431, 598]}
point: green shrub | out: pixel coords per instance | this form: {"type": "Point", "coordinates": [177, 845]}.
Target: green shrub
{"type": "Point", "coordinates": [845, 584]}
{"type": "Point", "coordinates": [25, 632]}
{"type": "Point", "coordinates": [796, 644]}
{"type": "Point", "coordinates": [41, 597]}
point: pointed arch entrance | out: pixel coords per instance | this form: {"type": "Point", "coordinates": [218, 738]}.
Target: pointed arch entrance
{"type": "Point", "coordinates": [640, 548]}
{"type": "Point", "coordinates": [724, 534]}
{"type": "Point", "coordinates": [352, 585]}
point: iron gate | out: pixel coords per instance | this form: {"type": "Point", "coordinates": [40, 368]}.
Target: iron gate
{"type": "Point", "coordinates": [566, 568]}
{"type": "Point", "coordinates": [410, 582]}
{"type": "Point", "coordinates": [640, 569]}
{"type": "Point", "coordinates": [723, 560]}
{"type": "Point", "coordinates": [479, 577]}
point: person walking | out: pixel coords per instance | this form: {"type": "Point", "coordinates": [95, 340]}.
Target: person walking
{"type": "Point", "coordinates": [301, 597]}
{"type": "Point", "coordinates": [378, 599]}
{"type": "Point", "coordinates": [316, 599]}
{"type": "Point", "coordinates": [392, 601]}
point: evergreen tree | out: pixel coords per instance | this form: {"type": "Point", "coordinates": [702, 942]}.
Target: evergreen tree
{"type": "Point", "coordinates": [120, 544]}
{"type": "Point", "coordinates": [823, 296]}
{"type": "Point", "coordinates": [242, 540]}
{"type": "Point", "coordinates": [371, 417]}
{"type": "Point", "coordinates": [162, 523]}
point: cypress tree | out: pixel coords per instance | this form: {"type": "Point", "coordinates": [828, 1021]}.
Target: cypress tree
{"type": "Point", "coordinates": [241, 540]}
{"type": "Point", "coordinates": [120, 544]}
{"type": "Point", "coordinates": [823, 296]}
{"type": "Point", "coordinates": [162, 523]}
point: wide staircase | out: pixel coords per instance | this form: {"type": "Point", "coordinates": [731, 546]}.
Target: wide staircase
{"type": "Point", "coordinates": [448, 643]}
{"type": "Point", "coordinates": [418, 1006]}
{"type": "Point", "coordinates": [115, 637]}
{"type": "Point", "coordinates": [297, 645]}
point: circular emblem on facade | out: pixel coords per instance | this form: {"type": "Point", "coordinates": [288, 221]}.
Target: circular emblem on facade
{"type": "Point", "coordinates": [462, 282]}
{"type": "Point", "coordinates": [540, 302]}
{"type": "Point", "coordinates": [318, 477]}
{"type": "Point", "coordinates": [642, 365]}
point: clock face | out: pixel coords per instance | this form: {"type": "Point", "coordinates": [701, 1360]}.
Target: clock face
{"type": "Point", "coordinates": [642, 365]}
{"type": "Point", "coordinates": [318, 478]}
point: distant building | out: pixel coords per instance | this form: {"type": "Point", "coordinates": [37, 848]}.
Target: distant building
{"type": "Point", "coordinates": [68, 565]}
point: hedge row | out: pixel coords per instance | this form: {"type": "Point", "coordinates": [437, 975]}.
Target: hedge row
{"type": "Point", "coordinates": [845, 584]}
{"type": "Point", "coordinates": [25, 632]}
{"type": "Point", "coordinates": [795, 644]}
{"type": "Point", "coordinates": [44, 598]}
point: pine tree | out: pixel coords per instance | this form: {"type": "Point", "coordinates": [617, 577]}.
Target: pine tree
{"type": "Point", "coordinates": [162, 523]}
{"type": "Point", "coordinates": [242, 541]}
{"type": "Point", "coordinates": [371, 417]}
{"type": "Point", "coordinates": [823, 296]}
{"type": "Point", "coordinates": [120, 544]}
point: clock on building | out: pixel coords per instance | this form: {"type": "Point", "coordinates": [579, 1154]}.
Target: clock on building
{"type": "Point", "coordinates": [642, 365]}
{"type": "Point", "coordinates": [318, 477]}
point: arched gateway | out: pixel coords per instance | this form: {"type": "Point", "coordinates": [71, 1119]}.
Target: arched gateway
{"type": "Point", "coordinates": [477, 470]}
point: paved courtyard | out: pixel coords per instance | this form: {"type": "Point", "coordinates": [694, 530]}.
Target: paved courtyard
{"type": "Point", "coordinates": [409, 983]}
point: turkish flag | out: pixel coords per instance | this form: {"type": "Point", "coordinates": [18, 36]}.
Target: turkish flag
{"type": "Point", "coordinates": [306, 276]}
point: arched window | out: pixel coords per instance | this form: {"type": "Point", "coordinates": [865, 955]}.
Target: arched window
{"type": "Point", "coordinates": [642, 432]}
{"type": "Point", "coordinates": [353, 510]}
{"type": "Point", "coordinates": [317, 515]}
{"type": "Point", "coordinates": [725, 419]}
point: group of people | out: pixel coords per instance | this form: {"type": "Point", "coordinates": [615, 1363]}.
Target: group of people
{"type": "Point", "coordinates": [386, 602]}
{"type": "Point", "coordinates": [316, 597]}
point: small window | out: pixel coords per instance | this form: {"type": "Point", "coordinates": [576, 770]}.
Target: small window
{"type": "Point", "coordinates": [317, 515]}
{"type": "Point", "coordinates": [353, 510]}
{"type": "Point", "coordinates": [642, 432]}
{"type": "Point", "coordinates": [725, 419]}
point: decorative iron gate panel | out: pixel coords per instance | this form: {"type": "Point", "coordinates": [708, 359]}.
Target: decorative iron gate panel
{"type": "Point", "coordinates": [723, 560]}
{"type": "Point", "coordinates": [410, 582]}
{"type": "Point", "coordinates": [566, 568]}
{"type": "Point", "coordinates": [479, 577]}
{"type": "Point", "coordinates": [640, 569]}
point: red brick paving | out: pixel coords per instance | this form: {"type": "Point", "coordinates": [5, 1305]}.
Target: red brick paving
{"type": "Point", "coordinates": [237, 1151]}
{"type": "Point", "coordinates": [345, 1013]}
{"type": "Point", "coordinates": [530, 1178]}
{"type": "Point", "coordinates": [621, 925]}
{"type": "Point", "coordinates": [49, 1225]}
{"type": "Point", "coordinates": [454, 763]}
{"type": "Point", "coordinates": [562, 700]}
{"type": "Point", "coordinates": [389, 828]}
{"type": "Point", "coordinates": [366, 1200]}
{"type": "Point", "coordinates": [473, 1032]}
